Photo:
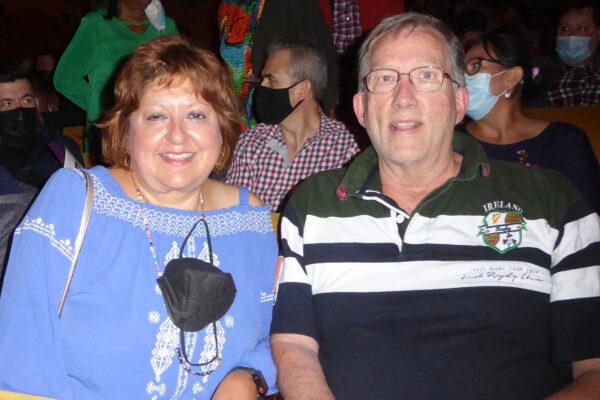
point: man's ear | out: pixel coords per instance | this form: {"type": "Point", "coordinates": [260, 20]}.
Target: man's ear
{"type": "Point", "coordinates": [358, 105]}
{"type": "Point", "coordinates": [461, 99]}
{"type": "Point", "coordinates": [304, 89]}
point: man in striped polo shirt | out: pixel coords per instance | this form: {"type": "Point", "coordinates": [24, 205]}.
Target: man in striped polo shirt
{"type": "Point", "coordinates": [424, 270]}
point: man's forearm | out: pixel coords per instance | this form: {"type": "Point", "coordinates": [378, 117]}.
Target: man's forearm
{"type": "Point", "coordinates": [587, 387]}
{"type": "Point", "coordinates": [299, 374]}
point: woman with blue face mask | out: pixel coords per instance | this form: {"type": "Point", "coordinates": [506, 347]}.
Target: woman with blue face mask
{"type": "Point", "coordinates": [498, 78]}
{"type": "Point", "coordinates": [577, 80]}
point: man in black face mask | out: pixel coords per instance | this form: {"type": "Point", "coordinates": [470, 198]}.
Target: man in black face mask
{"type": "Point", "coordinates": [295, 138]}
{"type": "Point", "coordinates": [24, 144]}
{"type": "Point", "coordinates": [26, 160]}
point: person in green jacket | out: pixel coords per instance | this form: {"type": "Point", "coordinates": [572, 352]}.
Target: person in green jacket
{"type": "Point", "coordinates": [103, 39]}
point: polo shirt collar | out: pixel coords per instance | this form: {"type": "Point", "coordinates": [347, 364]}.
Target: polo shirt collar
{"type": "Point", "coordinates": [363, 173]}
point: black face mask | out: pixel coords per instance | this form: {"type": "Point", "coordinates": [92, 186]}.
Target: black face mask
{"type": "Point", "coordinates": [17, 128]}
{"type": "Point", "coordinates": [273, 105]}
{"type": "Point", "coordinates": [196, 293]}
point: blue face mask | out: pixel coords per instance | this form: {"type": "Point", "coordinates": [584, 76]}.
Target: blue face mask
{"type": "Point", "coordinates": [481, 101]}
{"type": "Point", "coordinates": [573, 49]}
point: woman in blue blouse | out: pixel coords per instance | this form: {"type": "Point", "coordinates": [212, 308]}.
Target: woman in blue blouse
{"type": "Point", "coordinates": [174, 121]}
{"type": "Point", "coordinates": [499, 80]}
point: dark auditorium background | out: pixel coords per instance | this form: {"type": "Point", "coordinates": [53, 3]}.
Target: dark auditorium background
{"type": "Point", "coordinates": [37, 26]}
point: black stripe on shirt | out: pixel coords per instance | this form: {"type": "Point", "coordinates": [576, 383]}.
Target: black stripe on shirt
{"type": "Point", "coordinates": [581, 259]}
{"type": "Point", "coordinates": [388, 252]}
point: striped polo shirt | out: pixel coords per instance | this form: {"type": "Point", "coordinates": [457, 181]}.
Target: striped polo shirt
{"type": "Point", "coordinates": [487, 291]}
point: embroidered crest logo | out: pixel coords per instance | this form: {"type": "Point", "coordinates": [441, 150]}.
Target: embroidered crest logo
{"type": "Point", "coordinates": [502, 230]}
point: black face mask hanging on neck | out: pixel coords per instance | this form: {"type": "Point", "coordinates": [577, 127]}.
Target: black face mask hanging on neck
{"type": "Point", "coordinates": [196, 293]}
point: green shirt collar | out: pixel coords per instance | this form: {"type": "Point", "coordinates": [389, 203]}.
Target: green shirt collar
{"type": "Point", "coordinates": [363, 173]}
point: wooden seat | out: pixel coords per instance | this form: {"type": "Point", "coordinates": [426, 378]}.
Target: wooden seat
{"type": "Point", "coordinates": [586, 118]}
{"type": "Point", "coordinates": [75, 133]}
{"type": "Point", "coordinates": [17, 396]}
{"type": "Point", "coordinates": [275, 221]}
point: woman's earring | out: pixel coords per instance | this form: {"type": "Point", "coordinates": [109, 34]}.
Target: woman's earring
{"type": "Point", "coordinates": [220, 164]}
{"type": "Point", "coordinates": [507, 95]}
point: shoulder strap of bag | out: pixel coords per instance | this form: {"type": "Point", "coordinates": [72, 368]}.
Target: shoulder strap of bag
{"type": "Point", "coordinates": [85, 219]}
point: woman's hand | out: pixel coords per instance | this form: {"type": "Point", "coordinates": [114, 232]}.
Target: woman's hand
{"type": "Point", "coordinates": [237, 385]}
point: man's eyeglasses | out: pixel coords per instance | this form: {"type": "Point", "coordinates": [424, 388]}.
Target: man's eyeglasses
{"type": "Point", "coordinates": [474, 64]}
{"type": "Point", "coordinates": [422, 79]}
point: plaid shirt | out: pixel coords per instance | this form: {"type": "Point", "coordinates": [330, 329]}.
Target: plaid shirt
{"type": "Point", "coordinates": [346, 24]}
{"type": "Point", "coordinates": [260, 159]}
{"type": "Point", "coordinates": [576, 86]}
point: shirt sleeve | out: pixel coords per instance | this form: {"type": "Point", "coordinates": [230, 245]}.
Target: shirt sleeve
{"type": "Point", "coordinates": [239, 172]}
{"type": "Point", "coordinates": [293, 311]}
{"type": "Point", "coordinates": [40, 257]}
{"type": "Point", "coordinates": [259, 358]}
{"type": "Point", "coordinates": [576, 160]}
{"type": "Point", "coordinates": [575, 293]}
{"type": "Point", "coordinates": [75, 64]}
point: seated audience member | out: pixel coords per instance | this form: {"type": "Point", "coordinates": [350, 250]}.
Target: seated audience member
{"type": "Point", "coordinates": [283, 19]}
{"type": "Point", "coordinates": [498, 77]}
{"type": "Point", "coordinates": [24, 142]}
{"type": "Point", "coordinates": [173, 291]}
{"type": "Point", "coordinates": [56, 110]}
{"type": "Point", "coordinates": [424, 270]}
{"type": "Point", "coordinates": [577, 80]}
{"type": "Point", "coordinates": [295, 138]}
{"type": "Point", "coordinates": [15, 198]}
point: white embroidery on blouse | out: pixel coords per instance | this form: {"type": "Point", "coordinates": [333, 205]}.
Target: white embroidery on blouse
{"type": "Point", "coordinates": [152, 388]}
{"type": "Point", "coordinates": [167, 340]}
{"type": "Point", "coordinates": [169, 223]}
{"type": "Point", "coordinates": [154, 317]}
{"type": "Point", "coordinates": [266, 297]}
{"type": "Point", "coordinates": [38, 225]}
{"type": "Point", "coordinates": [197, 388]}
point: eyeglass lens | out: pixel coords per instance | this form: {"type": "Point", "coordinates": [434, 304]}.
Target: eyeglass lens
{"type": "Point", "coordinates": [424, 79]}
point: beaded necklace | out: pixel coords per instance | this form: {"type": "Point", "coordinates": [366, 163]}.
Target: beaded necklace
{"type": "Point", "coordinates": [183, 360]}
{"type": "Point", "coordinates": [141, 200]}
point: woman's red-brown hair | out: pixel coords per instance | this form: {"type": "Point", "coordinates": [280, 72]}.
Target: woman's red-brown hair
{"type": "Point", "coordinates": [167, 61]}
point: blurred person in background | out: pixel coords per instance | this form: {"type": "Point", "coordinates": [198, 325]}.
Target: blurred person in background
{"type": "Point", "coordinates": [25, 143]}
{"type": "Point", "coordinates": [103, 39]}
{"type": "Point", "coordinates": [577, 79]}
{"type": "Point", "coordinates": [499, 80]}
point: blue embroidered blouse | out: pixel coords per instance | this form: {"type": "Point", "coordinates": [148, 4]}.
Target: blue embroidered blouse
{"type": "Point", "coordinates": [115, 339]}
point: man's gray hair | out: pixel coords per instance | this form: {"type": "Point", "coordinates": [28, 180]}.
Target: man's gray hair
{"type": "Point", "coordinates": [392, 26]}
{"type": "Point", "coordinates": [307, 61]}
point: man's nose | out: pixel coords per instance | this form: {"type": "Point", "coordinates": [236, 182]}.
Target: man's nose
{"type": "Point", "coordinates": [404, 93]}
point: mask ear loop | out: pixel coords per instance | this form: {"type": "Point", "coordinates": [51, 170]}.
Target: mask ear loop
{"type": "Point", "coordinates": [182, 352]}
{"type": "Point", "coordinates": [210, 254]}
